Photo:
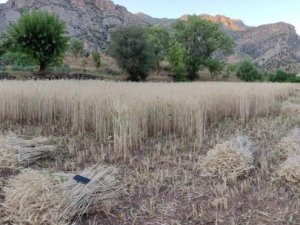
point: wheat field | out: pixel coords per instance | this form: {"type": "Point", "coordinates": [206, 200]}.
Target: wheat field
{"type": "Point", "coordinates": [183, 153]}
{"type": "Point", "coordinates": [129, 113]}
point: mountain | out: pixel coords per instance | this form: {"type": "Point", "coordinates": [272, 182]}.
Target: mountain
{"type": "Point", "coordinates": [90, 20]}
{"type": "Point", "coordinates": [155, 21]}
{"type": "Point", "coordinates": [272, 46]}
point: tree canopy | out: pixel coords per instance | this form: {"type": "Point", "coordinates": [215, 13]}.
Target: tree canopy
{"type": "Point", "coordinates": [39, 35]}
{"type": "Point", "coordinates": [201, 39]}
{"type": "Point", "coordinates": [131, 48]}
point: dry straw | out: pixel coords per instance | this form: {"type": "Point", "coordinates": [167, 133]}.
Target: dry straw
{"type": "Point", "coordinates": [229, 160]}
{"type": "Point", "coordinates": [39, 198]}
{"type": "Point", "coordinates": [17, 152]}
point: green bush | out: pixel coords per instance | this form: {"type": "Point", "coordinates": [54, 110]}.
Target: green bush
{"type": "Point", "coordinates": [97, 59]}
{"type": "Point", "coordinates": [176, 56]}
{"type": "Point", "coordinates": [281, 76]}
{"type": "Point", "coordinates": [215, 67]}
{"type": "Point", "coordinates": [76, 47]}
{"type": "Point", "coordinates": [247, 71]}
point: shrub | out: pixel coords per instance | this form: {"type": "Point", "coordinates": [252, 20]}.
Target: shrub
{"type": "Point", "coordinates": [247, 71]}
{"type": "Point", "coordinates": [97, 59]}
{"type": "Point", "coordinates": [215, 67]}
{"type": "Point", "coordinates": [130, 46]}
{"type": "Point", "coordinates": [281, 76]}
{"type": "Point", "coordinates": [177, 55]}
{"type": "Point", "coordinates": [76, 47]}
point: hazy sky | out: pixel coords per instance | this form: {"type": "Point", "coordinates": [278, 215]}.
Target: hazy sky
{"type": "Point", "coordinates": [252, 12]}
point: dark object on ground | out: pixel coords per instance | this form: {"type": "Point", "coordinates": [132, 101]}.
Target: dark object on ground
{"type": "Point", "coordinates": [81, 179]}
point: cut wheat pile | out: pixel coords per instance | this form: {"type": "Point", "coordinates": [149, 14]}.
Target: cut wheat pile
{"type": "Point", "coordinates": [229, 160]}
{"type": "Point", "coordinates": [16, 152]}
{"type": "Point", "coordinates": [289, 172]}
{"type": "Point", "coordinates": [41, 198]}
{"type": "Point", "coordinates": [290, 145]}
{"type": "Point", "coordinates": [290, 108]}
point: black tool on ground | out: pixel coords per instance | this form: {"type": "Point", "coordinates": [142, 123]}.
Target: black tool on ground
{"type": "Point", "coordinates": [81, 179]}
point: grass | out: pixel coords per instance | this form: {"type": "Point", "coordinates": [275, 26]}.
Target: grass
{"type": "Point", "coordinates": [163, 138]}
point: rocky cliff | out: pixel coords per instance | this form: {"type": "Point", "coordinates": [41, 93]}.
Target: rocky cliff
{"type": "Point", "coordinates": [90, 20]}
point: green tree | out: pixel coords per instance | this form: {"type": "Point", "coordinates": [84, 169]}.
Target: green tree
{"type": "Point", "coordinates": [131, 48]}
{"type": "Point", "coordinates": [247, 71]}
{"type": "Point", "coordinates": [97, 59]}
{"type": "Point", "coordinates": [177, 57]}
{"type": "Point", "coordinates": [159, 39]}
{"type": "Point", "coordinates": [39, 35]}
{"type": "Point", "coordinates": [76, 47]}
{"type": "Point", "coordinates": [215, 67]}
{"type": "Point", "coordinates": [201, 39]}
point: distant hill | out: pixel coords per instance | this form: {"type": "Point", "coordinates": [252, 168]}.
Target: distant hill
{"type": "Point", "coordinates": [271, 46]}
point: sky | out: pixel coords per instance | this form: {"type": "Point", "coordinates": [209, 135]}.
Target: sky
{"type": "Point", "coordinates": [252, 12]}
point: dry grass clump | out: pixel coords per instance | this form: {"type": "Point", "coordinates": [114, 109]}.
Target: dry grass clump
{"type": "Point", "coordinates": [290, 145]}
{"type": "Point", "coordinates": [289, 172]}
{"type": "Point", "coordinates": [41, 198]}
{"type": "Point", "coordinates": [229, 160]}
{"type": "Point", "coordinates": [16, 152]}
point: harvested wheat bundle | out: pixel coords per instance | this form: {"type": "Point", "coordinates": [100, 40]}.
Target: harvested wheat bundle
{"type": "Point", "coordinates": [78, 199]}
{"type": "Point", "coordinates": [290, 108]}
{"type": "Point", "coordinates": [31, 198]}
{"type": "Point", "coordinates": [290, 145]}
{"type": "Point", "coordinates": [15, 141]}
{"type": "Point", "coordinates": [229, 160]}
{"type": "Point", "coordinates": [289, 172]}
{"type": "Point", "coordinates": [17, 152]}
{"type": "Point", "coordinates": [37, 198]}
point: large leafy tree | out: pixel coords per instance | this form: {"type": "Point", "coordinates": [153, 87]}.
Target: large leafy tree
{"type": "Point", "coordinates": [160, 40]}
{"type": "Point", "coordinates": [39, 35]}
{"type": "Point", "coordinates": [201, 39]}
{"type": "Point", "coordinates": [131, 48]}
